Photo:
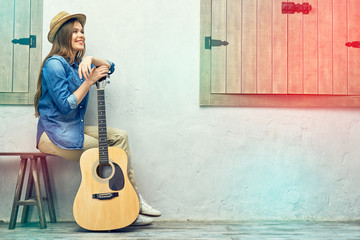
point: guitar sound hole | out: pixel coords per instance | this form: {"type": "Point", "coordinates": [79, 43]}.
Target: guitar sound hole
{"type": "Point", "coordinates": [104, 170]}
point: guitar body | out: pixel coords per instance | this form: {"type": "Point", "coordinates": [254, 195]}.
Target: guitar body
{"type": "Point", "coordinates": [105, 203]}
{"type": "Point", "coordinates": [106, 199]}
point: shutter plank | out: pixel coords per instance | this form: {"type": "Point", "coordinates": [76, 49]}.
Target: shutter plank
{"type": "Point", "coordinates": [340, 73]}
{"type": "Point", "coordinates": [35, 53]}
{"type": "Point", "coordinates": [311, 50]}
{"type": "Point", "coordinates": [205, 54]}
{"type": "Point", "coordinates": [6, 47]}
{"type": "Point", "coordinates": [295, 54]}
{"type": "Point", "coordinates": [234, 35]}
{"type": "Point", "coordinates": [279, 49]}
{"type": "Point", "coordinates": [218, 54]}
{"type": "Point", "coordinates": [264, 48]}
{"type": "Point", "coordinates": [21, 52]}
{"type": "Point", "coordinates": [249, 47]}
{"type": "Point", "coordinates": [325, 44]}
{"type": "Point", "coordinates": [354, 53]}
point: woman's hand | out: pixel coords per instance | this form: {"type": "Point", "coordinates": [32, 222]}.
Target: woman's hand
{"type": "Point", "coordinates": [85, 67]}
{"type": "Point", "coordinates": [96, 74]}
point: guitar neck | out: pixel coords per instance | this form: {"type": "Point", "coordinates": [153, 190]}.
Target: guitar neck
{"type": "Point", "coordinates": [103, 147]}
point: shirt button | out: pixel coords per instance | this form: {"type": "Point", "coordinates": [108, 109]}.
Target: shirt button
{"type": "Point", "coordinates": [80, 106]}
{"type": "Point", "coordinates": [82, 120]}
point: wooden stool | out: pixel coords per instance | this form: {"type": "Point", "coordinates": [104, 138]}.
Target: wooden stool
{"type": "Point", "coordinates": [33, 181]}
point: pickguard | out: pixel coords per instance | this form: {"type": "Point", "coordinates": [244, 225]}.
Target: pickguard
{"type": "Point", "coordinates": [117, 182]}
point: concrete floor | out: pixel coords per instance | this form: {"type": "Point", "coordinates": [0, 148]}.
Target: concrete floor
{"type": "Point", "coordinates": [194, 230]}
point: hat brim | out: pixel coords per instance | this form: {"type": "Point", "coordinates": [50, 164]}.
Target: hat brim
{"type": "Point", "coordinates": [80, 17]}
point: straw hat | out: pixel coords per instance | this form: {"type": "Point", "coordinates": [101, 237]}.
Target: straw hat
{"type": "Point", "coordinates": [60, 19]}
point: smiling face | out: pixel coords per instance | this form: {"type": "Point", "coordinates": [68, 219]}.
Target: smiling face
{"type": "Point", "coordinates": [78, 37]}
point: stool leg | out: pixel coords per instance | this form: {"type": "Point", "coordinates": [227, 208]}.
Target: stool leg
{"type": "Point", "coordinates": [18, 189]}
{"type": "Point", "coordinates": [48, 189]}
{"type": "Point", "coordinates": [38, 194]}
{"type": "Point", "coordinates": [28, 194]}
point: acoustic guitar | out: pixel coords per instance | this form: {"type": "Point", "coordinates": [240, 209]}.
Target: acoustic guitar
{"type": "Point", "coordinates": [106, 200]}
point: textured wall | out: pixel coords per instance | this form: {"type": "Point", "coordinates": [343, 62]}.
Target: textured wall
{"type": "Point", "coordinates": [191, 162]}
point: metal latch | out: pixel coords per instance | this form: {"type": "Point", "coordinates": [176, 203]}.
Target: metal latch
{"type": "Point", "coordinates": [31, 41]}
{"type": "Point", "coordinates": [291, 8]}
{"type": "Point", "coordinates": [209, 43]}
{"type": "Point", "coordinates": [355, 44]}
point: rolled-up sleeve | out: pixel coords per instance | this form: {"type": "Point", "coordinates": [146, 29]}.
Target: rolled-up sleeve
{"type": "Point", "coordinates": [72, 101]}
{"type": "Point", "coordinates": [57, 82]}
{"type": "Point", "coordinates": [112, 67]}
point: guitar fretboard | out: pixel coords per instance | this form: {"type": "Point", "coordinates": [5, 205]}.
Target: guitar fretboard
{"type": "Point", "coordinates": [103, 147]}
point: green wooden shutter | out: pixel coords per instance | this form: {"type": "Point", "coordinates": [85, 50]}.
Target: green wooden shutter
{"type": "Point", "coordinates": [19, 64]}
{"type": "Point", "coordinates": [277, 59]}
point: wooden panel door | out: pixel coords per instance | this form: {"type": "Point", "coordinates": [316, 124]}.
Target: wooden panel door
{"type": "Point", "coordinates": [274, 53]}
{"type": "Point", "coordinates": [19, 64]}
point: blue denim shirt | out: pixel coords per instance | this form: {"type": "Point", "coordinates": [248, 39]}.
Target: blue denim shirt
{"type": "Point", "coordinates": [60, 115]}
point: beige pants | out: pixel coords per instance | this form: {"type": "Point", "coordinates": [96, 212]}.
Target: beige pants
{"type": "Point", "coordinates": [116, 138]}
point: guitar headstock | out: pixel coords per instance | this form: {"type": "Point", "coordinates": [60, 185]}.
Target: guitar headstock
{"type": "Point", "coordinates": [102, 82]}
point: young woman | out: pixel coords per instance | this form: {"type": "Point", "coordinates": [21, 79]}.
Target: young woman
{"type": "Point", "coordinates": [62, 96]}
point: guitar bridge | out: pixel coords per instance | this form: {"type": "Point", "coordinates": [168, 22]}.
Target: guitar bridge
{"type": "Point", "coordinates": [105, 196]}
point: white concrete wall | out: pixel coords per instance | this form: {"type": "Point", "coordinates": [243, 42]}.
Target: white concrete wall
{"type": "Point", "coordinates": [191, 162]}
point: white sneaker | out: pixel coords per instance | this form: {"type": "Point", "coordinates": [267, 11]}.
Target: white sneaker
{"type": "Point", "coordinates": [146, 209]}
{"type": "Point", "coordinates": [142, 221]}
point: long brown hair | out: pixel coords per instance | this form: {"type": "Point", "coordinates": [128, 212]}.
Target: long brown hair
{"type": "Point", "coordinates": [61, 46]}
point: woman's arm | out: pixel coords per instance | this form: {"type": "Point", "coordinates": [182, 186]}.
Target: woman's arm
{"type": "Point", "coordinates": [56, 79]}
{"type": "Point", "coordinates": [94, 75]}
{"type": "Point", "coordinates": [85, 65]}
{"type": "Point", "coordinates": [99, 62]}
